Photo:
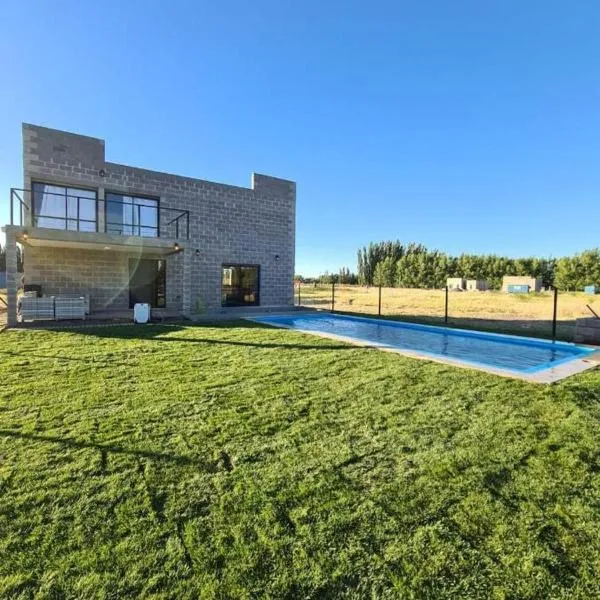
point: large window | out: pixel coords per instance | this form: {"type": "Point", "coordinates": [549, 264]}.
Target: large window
{"type": "Point", "coordinates": [240, 285]}
{"type": "Point", "coordinates": [131, 215]}
{"type": "Point", "coordinates": [60, 207]}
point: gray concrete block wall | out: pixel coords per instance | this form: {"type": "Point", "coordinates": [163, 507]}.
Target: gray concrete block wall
{"type": "Point", "coordinates": [12, 277]}
{"type": "Point", "coordinates": [60, 157]}
{"type": "Point", "coordinates": [587, 331]}
{"type": "Point", "coordinates": [535, 285]}
{"type": "Point", "coordinates": [102, 274]}
{"type": "Point", "coordinates": [228, 224]}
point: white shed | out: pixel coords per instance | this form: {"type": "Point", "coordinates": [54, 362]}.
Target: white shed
{"type": "Point", "coordinates": [455, 283]}
{"type": "Point", "coordinates": [477, 284]}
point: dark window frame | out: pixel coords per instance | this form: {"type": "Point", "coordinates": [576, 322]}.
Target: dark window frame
{"type": "Point", "coordinates": [156, 199]}
{"type": "Point", "coordinates": [66, 219]}
{"type": "Point", "coordinates": [228, 265]}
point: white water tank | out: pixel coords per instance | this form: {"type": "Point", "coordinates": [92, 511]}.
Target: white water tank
{"type": "Point", "coordinates": [141, 312]}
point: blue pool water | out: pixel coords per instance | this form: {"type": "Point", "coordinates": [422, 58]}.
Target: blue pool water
{"type": "Point", "coordinates": [512, 353]}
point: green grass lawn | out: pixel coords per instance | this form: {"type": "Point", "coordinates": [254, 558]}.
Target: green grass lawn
{"type": "Point", "coordinates": [240, 461]}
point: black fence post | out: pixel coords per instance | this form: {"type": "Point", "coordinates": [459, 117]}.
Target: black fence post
{"type": "Point", "coordinates": [554, 314]}
{"type": "Point", "coordinates": [333, 296]}
{"type": "Point", "coordinates": [379, 305]}
{"type": "Point", "coordinates": [446, 308]}
{"type": "Point", "coordinates": [299, 296]}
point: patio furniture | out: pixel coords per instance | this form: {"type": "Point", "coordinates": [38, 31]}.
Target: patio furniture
{"type": "Point", "coordinates": [69, 308]}
{"type": "Point", "coordinates": [86, 299]}
{"type": "Point", "coordinates": [32, 308]}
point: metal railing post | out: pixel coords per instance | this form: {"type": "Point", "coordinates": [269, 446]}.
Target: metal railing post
{"type": "Point", "coordinates": [333, 296]}
{"type": "Point", "coordinates": [299, 293]}
{"type": "Point", "coordinates": [554, 314]}
{"type": "Point", "coordinates": [592, 311]}
{"type": "Point", "coordinates": [11, 206]}
{"type": "Point", "coordinates": [379, 304]}
{"type": "Point", "coordinates": [446, 307]}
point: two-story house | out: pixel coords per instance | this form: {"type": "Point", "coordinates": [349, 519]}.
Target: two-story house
{"type": "Point", "coordinates": [120, 234]}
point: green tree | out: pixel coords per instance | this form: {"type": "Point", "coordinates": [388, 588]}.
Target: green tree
{"type": "Point", "coordinates": [575, 272]}
{"type": "Point", "coordinates": [346, 276]}
{"type": "Point", "coordinates": [385, 272]}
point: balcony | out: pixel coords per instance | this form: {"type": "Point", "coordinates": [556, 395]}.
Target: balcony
{"type": "Point", "coordinates": [82, 212]}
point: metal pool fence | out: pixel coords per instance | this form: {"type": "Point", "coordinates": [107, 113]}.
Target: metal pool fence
{"type": "Point", "coordinates": [550, 314]}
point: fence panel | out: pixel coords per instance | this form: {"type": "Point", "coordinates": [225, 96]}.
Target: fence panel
{"type": "Point", "coordinates": [356, 299]}
{"type": "Point", "coordinates": [313, 295]}
{"type": "Point", "coordinates": [528, 314]}
{"type": "Point", "coordinates": [501, 312]}
{"type": "Point", "coordinates": [519, 313]}
{"type": "Point", "coordinates": [425, 306]}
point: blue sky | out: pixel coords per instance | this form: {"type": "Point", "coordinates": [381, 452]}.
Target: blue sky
{"type": "Point", "coordinates": [468, 126]}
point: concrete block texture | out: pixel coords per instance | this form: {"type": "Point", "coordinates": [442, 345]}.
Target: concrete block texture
{"type": "Point", "coordinates": [535, 284]}
{"type": "Point", "coordinates": [12, 277]}
{"type": "Point", "coordinates": [587, 331]}
{"type": "Point", "coordinates": [227, 224]}
{"type": "Point", "coordinates": [103, 275]}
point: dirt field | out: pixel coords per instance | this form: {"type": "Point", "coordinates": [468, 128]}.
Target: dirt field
{"type": "Point", "coordinates": [527, 314]}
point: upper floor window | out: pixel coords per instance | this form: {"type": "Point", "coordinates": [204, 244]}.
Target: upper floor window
{"type": "Point", "coordinates": [60, 207]}
{"type": "Point", "coordinates": [131, 215]}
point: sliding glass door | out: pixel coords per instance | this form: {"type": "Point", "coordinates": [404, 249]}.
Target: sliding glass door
{"type": "Point", "coordinates": [147, 282]}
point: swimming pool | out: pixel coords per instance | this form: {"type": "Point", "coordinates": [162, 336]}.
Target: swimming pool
{"type": "Point", "coordinates": [502, 354]}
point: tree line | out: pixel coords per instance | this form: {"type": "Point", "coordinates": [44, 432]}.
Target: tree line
{"type": "Point", "coordinates": [394, 264]}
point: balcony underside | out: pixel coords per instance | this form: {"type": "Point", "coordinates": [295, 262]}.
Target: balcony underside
{"type": "Point", "coordinates": [58, 238]}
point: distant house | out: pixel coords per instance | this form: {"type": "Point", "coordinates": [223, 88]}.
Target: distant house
{"type": "Point", "coordinates": [477, 284]}
{"type": "Point", "coordinates": [455, 283]}
{"type": "Point", "coordinates": [515, 283]}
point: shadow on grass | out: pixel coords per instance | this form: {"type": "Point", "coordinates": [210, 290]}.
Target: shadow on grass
{"type": "Point", "coordinates": [156, 333]}
{"type": "Point", "coordinates": [28, 354]}
{"type": "Point", "coordinates": [161, 456]}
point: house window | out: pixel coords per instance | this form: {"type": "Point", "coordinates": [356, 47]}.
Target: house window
{"type": "Point", "coordinates": [131, 215]}
{"type": "Point", "coordinates": [240, 285]}
{"type": "Point", "coordinates": [60, 207]}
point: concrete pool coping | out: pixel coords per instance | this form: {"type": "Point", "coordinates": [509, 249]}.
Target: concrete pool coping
{"type": "Point", "coordinates": [545, 376]}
